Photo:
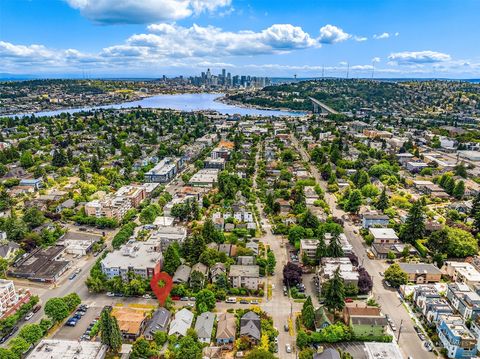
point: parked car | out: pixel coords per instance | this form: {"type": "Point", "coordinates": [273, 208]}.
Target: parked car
{"type": "Point", "coordinates": [243, 301]}
{"type": "Point", "coordinates": [285, 327]}
{"type": "Point", "coordinates": [184, 299]}
{"type": "Point", "coordinates": [348, 300]}
{"type": "Point", "coordinates": [72, 276]}
{"type": "Point", "coordinates": [231, 300]}
{"type": "Point", "coordinates": [110, 294]}
{"type": "Point", "coordinates": [193, 299]}
{"type": "Point", "coordinates": [29, 316]}
{"type": "Point", "coordinates": [36, 308]}
{"type": "Point", "coordinates": [288, 348]}
{"type": "Point", "coordinates": [146, 296]}
{"type": "Point", "coordinates": [254, 301]}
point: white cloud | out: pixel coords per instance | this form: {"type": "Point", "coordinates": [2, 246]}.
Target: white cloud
{"type": "Point", "coordinates": [376, 60]}
{"type": "Point", "coordinates": [170, 40]}
{"type": "Point", "coordinates": [360, 38]}
{"type": "Point", "coordinates": [143, 11]}
{"type": "Point", "coordinates": [382, 36]}
{"type": "Point", "coordinates": [330, 34]}
{"type": "Point", "coordinates": [418, 57]}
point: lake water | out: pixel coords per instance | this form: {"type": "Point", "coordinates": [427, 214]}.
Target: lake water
{"type": "Point", "coordinates": [183, 102]}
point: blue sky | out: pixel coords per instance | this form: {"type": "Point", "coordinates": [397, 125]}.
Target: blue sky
{"type": "Point", "coordinates": [389, 38]}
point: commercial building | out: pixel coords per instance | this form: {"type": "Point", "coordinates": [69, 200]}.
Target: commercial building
{"type": "Point", "coordinates": [204, 178]}
{"type": "Point", "coordinates": [41, 265]}
{"type": "Point", "coordinates": [68, 349]}
{"type": "Point", "coordinates": [244, 276]}
{"type": "Point", "coordinates": [141, 258]}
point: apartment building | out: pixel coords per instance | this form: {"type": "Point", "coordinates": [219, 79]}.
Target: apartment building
{"type": "Point", "coordinates": [165, 170]}
{"type": "Point", "coordinates": [8, 295]}
{"type": "Point", "coordinates": [141, 258]}
{"type": "Point", "coordinates": [244, 276]}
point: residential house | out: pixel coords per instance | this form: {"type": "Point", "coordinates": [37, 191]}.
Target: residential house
{"type": "Point", "coordinates": [182, 274]}
{"type": "Point", "coordinates": [328, 266]}
{"type": "Point", "coordinates": [421, 273]}
{"type": "Point", "coordinates": [181, 323]}
{"type": "Point", "coordinates": [250, 327]}
{"type": "Point", "coordinates": [308, 248]}
{"type": "Point", "coordinates": [226, 329]}
{"type": "Point", "coordinates": [464, 300]}
{"type": "Point", "coordinates": [131, 321]}
{"type": "Point", "coordinates": [383, 235]}
{"type": "Point", "coordinates": [365, 321]}
{"type": "Point", "coordinates": [321, 319]}
{"type": "Point", "coordinates": [217, 270]}
{"type": "Point", "coordinates": [158, 323]}
{"type": "Point", "coordinates": [204, 327]}
{"type": "Point", "coordinates": [8, 248]}
{"type": "Point", "coordinates": [374, 219]}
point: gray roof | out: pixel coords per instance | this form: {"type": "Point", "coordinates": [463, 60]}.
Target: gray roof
{"type": "Point", "coordinates": [204, 325]}
{"type": "Point", "coordinates": [227, 326]}
{"type": "Point", "coordinates": [182, 274]}
{"type": "Point", "coordinates": [159, 321]}
{"type": "Point", "coordinates": [251, 271]}
{"type": "Point", "coordinates": [250, 325]}
{"type": "Point", "coordinates": [8, 247]}
{"type": "Point", "coordinates": [419, 268]}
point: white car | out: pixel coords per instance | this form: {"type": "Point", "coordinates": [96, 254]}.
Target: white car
{"type": "Point", "coordinates": [288, 348]}
{"type": "Point", "coordinates": [110, 294]}
{"type": "Point", "coordinates": [29, 316]}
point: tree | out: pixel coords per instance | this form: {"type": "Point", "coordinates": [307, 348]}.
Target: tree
{"type": "Point", "coordinates": [271, 262]}
{"type": "Point", "coordinates": [3, 267]}
{"type": "Point", "coordinates": [460, 243]}
{"type": "Point", "coordinates": [196, 280]}
{"type": "Point", "coordinates": [189, 348]}
{"type": "Point", "coordinates": [414, 227]}
{"type": "Point", "coordinates": [26, 159]}
{"type": "Point", "coordinates": [396, 276]}
{"type": "Point", "coordinates": [292, 274]}
{"type": "Point", "coordinates": [205, 301]}
{"type": "Point", "coordinates": [160, 338]}
{"type": "Point", "coordinates": [459, 190]}
{"type": "Point", "coordinates": [32, 333]}
{"type": "Point", "coordinates": [59, 158]}
{"type": "Point", "coordinates": [365, 283]}
{"type": "Point", "coordinates": [18, 346]}
{"type": "Point", "coordinates": [172, 259]}
{"type": "Point", "coordinates": [259, 354]}
{"type": "Point", "coordinates": [309, 220]}
{"type": "Point", "coordinates": [382, 203]}
{"type": "Point", "coordinates": [334, 248]}
{"type": "Point", "coordinates": [321, 250]}
{"type": "Point", "coordinates": [334, 292]}
{"type": "Point", "coordinates": [461, 170]}
{"type": "Point", "coordinates": [72, 301]}
{"type": "Point", "coordinates": [7, 354]}
{"type": "Point", "coordinates": [110, 334]}
{"type": "Point", "coordinates": [306, 353]}
{"type": "Point", "coordinates": [308, 314]}
{"type": "Point", "coordinates": [141, 349]}
{"type": "Point", "coordinates": [302, 339]}
{"type": "Point", "coordinates": [449, 185]}
{"type": "Point", "coordinates": [391, 255]}
{"type": "Point", "coordinates": [56, 309]}
{"type": "Point", "coordinates": [475, 213]}
{"type": "Point", "coordinates": [354, 201]}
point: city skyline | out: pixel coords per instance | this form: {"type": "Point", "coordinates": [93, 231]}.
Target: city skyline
{"type": "Point", "coordinates": [131, 38]}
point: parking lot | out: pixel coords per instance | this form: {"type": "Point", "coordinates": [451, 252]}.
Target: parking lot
{"type": "Point", "coordinates": [74, 333]}
{"type": "Point", "coordinates": [356, 349]}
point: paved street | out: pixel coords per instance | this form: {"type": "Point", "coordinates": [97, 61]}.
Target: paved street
{"type": "Point", "coordinates": [409, 342]}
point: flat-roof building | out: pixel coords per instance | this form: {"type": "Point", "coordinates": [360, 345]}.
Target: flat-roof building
{"type": "Point", "coordinates": [68, 349]}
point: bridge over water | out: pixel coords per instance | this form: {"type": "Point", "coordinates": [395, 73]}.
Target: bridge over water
{"type": "Point", "coordinates": [320, 107]}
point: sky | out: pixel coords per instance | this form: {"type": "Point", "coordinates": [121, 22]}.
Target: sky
{"type": "Point", "coordinates": [276, 38]}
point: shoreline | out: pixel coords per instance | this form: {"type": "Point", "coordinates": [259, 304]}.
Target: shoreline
{"type": "Point", "coordinates": [226, 101]}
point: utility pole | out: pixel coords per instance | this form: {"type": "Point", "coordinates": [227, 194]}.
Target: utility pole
{"type": "Point", "coordinates": [400, 330]}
